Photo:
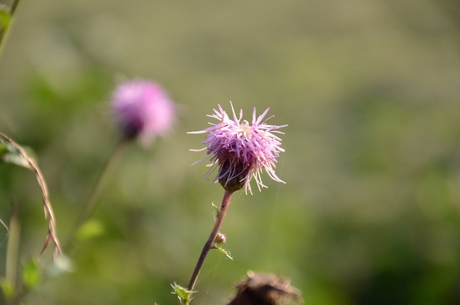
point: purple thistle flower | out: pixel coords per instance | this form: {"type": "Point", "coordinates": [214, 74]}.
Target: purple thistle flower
{"type": "Point", "coordinates": [143, 109]}
{"type": "Point", "coordinates": [240, 150]}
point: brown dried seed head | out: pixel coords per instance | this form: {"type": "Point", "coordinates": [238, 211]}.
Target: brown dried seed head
{"type": "Point", "coordinates": [264, 289]}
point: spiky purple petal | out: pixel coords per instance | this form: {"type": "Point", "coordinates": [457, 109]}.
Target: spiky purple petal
{"type": "Point", "coordinates": [241, 150]}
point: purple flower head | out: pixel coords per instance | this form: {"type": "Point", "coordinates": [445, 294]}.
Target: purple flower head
{"type": "Point", "coordinates": [241, 150]}
{"type": "Point", "coordinates": [143, 109]}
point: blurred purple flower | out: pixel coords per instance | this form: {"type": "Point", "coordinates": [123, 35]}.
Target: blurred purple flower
{"type": "Point", "coordinates": [240, 150]}
{"type": "Point", "coordinates": [143, 109]}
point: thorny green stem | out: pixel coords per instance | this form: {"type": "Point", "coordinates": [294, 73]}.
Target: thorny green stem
{"type": "Point", "coordinates": [210, 242]}
{"type": "Point", "coordinates": [91, 202]}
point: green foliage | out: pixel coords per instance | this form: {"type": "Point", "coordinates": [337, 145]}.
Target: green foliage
{"type": "Point", "coordinates": [7, 289]}
{"type": "Point", "coordinates": [9, 154]}
{"type": "Point", "coordinates": [184, 295]}
{"type": "Point", "coordinates": [90, 229]}
{"type": "Point", "coordinates": [31, 273]}
{"type": "Point", "coordinates": [216, 208]}
{"type": "Point", "coordinates": [5, 18]}
{"type": "Point", "coordinates": [224, 251]}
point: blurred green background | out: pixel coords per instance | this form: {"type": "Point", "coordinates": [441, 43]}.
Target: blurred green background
{"type": "Point", "coordinates": [370, 210]}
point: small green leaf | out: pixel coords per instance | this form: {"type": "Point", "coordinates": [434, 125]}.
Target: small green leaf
{"type": "Point", "coordinates": [8, 289]}
{"type": "Point", "coordinates": [9, 154]}
{"type": "Point", "coordinates": [31, 275]}
{"type": "Point", "coordinates": [16, 159]}
{"type": "Point", "coordinates": [222, 250]}
{"type": "Point", "coordinates": [216, 208]}
{"type": "Point", "coordinates": [183, 294]}
{"type": "Point", "coordinates": [3, 150]}
{"type": "Point", "coordinates": [90, 229]}
{"type": "Point", "coordinates": [5, 17]}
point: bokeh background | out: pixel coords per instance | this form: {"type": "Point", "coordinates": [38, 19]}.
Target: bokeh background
{"type": "Point", "coordinates": [370, 210]}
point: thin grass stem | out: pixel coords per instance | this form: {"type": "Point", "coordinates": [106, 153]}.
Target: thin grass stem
{"type": "Point", "coordinates": [14, 236]}
{"type": "Point", "coordinates": [4, 33]}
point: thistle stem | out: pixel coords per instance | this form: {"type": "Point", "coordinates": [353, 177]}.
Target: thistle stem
{"type": "Point", "coordinates": [91, 203]}
{"type": "Point", "coordinates": [210, 242]}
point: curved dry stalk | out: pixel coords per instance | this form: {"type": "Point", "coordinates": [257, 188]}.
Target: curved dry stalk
{"type": "Point", "coordinates": [48, 209]}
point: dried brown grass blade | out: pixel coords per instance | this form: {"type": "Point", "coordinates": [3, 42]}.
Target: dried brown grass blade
{"type": "Point", "coordinates": [48, 209]}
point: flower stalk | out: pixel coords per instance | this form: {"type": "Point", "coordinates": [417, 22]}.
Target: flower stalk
{"type": "Point", "coordinates": [92, 203]}
{"type": "Point", "coordinates": [142, 110]}
{"type": "Point", "coordinates": [211, 240]}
